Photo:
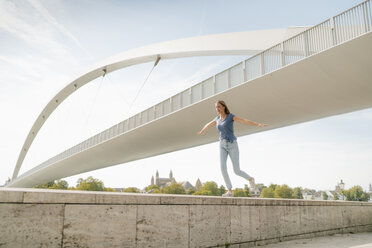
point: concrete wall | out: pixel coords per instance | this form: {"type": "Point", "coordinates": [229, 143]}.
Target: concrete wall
{"type": "Point", "coordinates": [53, 218]}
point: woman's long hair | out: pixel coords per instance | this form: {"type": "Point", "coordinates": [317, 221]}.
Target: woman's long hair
{"type": "Point", "coordinates": [227, 111]}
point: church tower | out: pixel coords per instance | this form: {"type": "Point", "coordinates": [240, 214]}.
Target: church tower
{"type": "Point", "coordinates": [198, 184]}
{"type": "Point", "coordinates": [170, 174]}
{"type": "Point", "coordinates": [157, 177]}
{"type": "Point", "coordinates": [340, 186]}
{"type": "Point", "coordinates": [152, 180]}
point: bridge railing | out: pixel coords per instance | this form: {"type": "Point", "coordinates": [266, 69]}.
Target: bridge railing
{"type": "Point", "coordinates": [334, 31]}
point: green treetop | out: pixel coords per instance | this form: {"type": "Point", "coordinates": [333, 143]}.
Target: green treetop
{"type": "Point", "coordinates": [90, 184]}
{"type": "Point", "coordinates": [173, 188]}
{"type": "Point", "coordinates": [325, 196]}
{"type": "Point", "coordinates": [297, 193]}
{"type": "Point", "coordinates": [356, 193]}
{"type": "Point", "coordinates": [209, 188]}
{"type": "Point", "coordinates": [131, 190]}
{"type": "Point", "coordinates": [58, 184]}
{"type": "Point", "coordinates": [267, 193]}
{"type": "Point", "coordinates": [283, 191]}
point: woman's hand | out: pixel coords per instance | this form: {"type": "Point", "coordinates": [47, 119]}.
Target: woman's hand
{"type": "Point", "coordinates": [262, 125]}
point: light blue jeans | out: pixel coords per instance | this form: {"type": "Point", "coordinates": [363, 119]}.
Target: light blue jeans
{"type": "Point", "coordinates": [232, 149]}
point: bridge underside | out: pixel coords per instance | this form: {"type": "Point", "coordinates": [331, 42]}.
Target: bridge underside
{"type": "Point", "coordinates": [335, 81]}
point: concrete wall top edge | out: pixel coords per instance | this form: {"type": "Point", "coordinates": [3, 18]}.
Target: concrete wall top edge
{"type": "Point", "coordinates": [44, 196]}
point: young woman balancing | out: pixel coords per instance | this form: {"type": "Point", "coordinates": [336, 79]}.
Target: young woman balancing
{"type": "Point", "coordinates": [228, 144]}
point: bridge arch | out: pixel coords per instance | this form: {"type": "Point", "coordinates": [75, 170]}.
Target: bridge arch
{"type": "Point", "coordinates": [238, 43]}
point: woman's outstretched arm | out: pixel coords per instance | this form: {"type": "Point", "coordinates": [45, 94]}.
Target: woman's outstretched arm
{"type": "Point", "coordinates": [248, 122]}
{"type": "Point", "coordinates": [208, 125]}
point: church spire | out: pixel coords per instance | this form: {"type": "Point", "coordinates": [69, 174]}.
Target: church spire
{"type": "Point", "coordinates": [198, 184]}
{"type": "Point", "coordinates": [170, 174]}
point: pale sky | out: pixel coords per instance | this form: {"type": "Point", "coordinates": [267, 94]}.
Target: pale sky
{"type": "Point", "coordinates": [46, 44]}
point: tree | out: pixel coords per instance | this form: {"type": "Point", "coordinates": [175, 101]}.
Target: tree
{"type": "Point", "coordinates": [238, 192]}
{"type": "Point", "coordinates": [131, 190]}
{"type": "Point", "coordinates": [209, 188]}
{"type": "Point", "coordinates": [297, 193]}
{"type": "Point", "coordinates": [173, 188]}
{"type": "Point", "coordinates": [221, 190]}
{"type": "Point", "coordinates": [90, 184]}
{"type": "Point", "coordinates": [151, 188]}
{"type": "Point", "coordinates": [267, 193]}
{"type": "Point", "coordinates": [273, 186]}
{"type": "Point", "coordinates": [156, 191]}
{"type": "Point", "coordinates": [325, 196]}
{"type": "Point", "coordinates": [58, 184]}
{"type": "Point", "coordinates": [110, 190]}
{"type": "Point", "coordinates": [246, 189]}
{"type": "Point", "coordinates": [335, 196]}
{"type": "Point", "coordinates": [44, 185]}
{"type": "Point", "coordinates": [242, 192]}
{"type": "Point", "coordinates": [356, 193]}
{"type": "Point", "coordinates": [283, 191]}
{"type": "Point", "coordinates": [190, 191]}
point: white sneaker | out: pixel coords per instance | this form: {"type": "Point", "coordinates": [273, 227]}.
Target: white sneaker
{"type": "Point", "coordinates": [228, 194]}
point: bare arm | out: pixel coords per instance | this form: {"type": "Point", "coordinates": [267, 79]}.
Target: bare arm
{"type": "Point", "coordinates": [208, 125]}
{"type": "Point", "coordinates": [248, 122]}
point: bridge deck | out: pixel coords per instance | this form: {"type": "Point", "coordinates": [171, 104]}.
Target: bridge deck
{"type": "Point", "coordinates": [332, 82]}
{"type": "Point", "coordinates": [322, 71]}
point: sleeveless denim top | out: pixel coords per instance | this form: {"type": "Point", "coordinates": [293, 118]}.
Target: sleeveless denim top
{"type": "Point", "coordinates": [226, 127]}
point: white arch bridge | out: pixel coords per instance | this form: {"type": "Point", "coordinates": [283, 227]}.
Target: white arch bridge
{"type": "Point", "coordinates": [296, 75]}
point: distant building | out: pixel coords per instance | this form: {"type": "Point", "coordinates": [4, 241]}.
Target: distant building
{"type": "Point", "coordinates": [338, 190]}
{"type": "Point", "coordinates": [340, 186]}
{"type": "Point", "coordinates": [162, 182]}
{"type": "Point", "coordinates": [198, 184]}
{"type": "Point", "coordinates": [308, 194]}
{"type": "Point", "coordinates": [312, 194]}
{"type": "Point", "coordinates": [186, 185]}
{"type": "Point", "coordinates": [333, 193]}
{"type": "Point", "coordinates": [318, 195]}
